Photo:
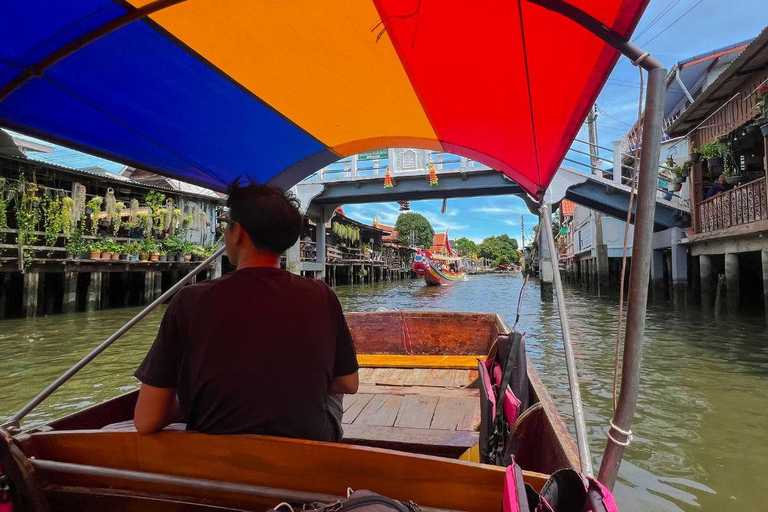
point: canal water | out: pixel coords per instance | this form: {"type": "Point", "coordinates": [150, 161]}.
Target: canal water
{"type": "Point", "coordinates": [701, 436]}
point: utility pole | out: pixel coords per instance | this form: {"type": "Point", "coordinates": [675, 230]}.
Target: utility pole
{"type": "Point", "coordinates": [601, 266]}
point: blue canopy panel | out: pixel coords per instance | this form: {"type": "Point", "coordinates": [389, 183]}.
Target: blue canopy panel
{"type": "Point", "coordinates": [108, 99]}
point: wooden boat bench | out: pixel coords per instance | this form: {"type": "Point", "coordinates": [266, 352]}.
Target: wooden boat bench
{"type": "Point", "coordinates": [418, 410]}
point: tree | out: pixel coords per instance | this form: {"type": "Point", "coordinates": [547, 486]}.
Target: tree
{"type": "Point", "coordinates": [465, 247]}
{"type": "Point", "coordinates": [414, 229]}
{"type": "Point", "coordinates": [500, 249]}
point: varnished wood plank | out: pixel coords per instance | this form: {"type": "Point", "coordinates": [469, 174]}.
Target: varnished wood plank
{"type": "Point", "coordinates": [472, 393]}
{"type": "Point", "coordinates": [430, 333]}
{"type": "Point", "coordinates": [448, 412]}
{"type": "Point", "coordinates": [381, 411]}
{"type": "Point", "coordinates": [275, 462]}
{"type": "Point", "coordinates": [440, 378]}
{"type": "Point", "coordinates": [356, 408]}
{"type": "Point", "coordinates": [416, 377]}
{"type": "Point", "coordinates": [418, 361]}
{"type": "Point", "coordinates": [416, 411]}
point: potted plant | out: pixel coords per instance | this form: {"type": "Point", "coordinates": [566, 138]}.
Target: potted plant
{"type": "Point", "coordinates": [95, 249]}
{"type": "Point", "coordinates": [162, 255]}
{"type": "Point", "coordinates": [762, 105]}
{"type": "Point", "coordinates": [144, 249]}
{"type": "Point", "coordinates": [172, 246]}
{"type": "Point", "coordinates": [186, 250]}
{"type": "Point", "coordinates": [75, 244]}
{"type": "Point", "coordinates": [695, 153]}
{"type": "Point", "coordinates": [687, 169]}
{"type": "Point", "coordinates": [715, 152]}
{"type": "Point", "coordinates": [732, 177]}
{"type": "Point", "coordinates": [106, 249]}
{"type": "Point", "coordinates": [198, 251]}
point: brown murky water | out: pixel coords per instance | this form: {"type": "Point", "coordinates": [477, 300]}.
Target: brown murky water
{"type": "Point", "coordinates": [701, 441]}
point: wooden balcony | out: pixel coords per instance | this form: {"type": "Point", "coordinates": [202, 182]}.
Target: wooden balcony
{"type": "Point", "coordinates": [738, 207]}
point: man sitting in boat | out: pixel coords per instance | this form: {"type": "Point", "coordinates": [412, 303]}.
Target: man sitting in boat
{"type": "Point", "coordinates": [259, 350]}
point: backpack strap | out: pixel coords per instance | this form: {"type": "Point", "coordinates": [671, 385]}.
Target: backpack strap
{"type": "Point", "coordinates": [515, 493]}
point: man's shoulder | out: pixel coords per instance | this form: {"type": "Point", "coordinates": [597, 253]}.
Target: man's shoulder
{"type": "Point", "coordinates": [193, 292]}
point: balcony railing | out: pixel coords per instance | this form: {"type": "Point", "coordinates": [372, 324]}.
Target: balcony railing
{"type": "Point", "coordinates": [735, 207]}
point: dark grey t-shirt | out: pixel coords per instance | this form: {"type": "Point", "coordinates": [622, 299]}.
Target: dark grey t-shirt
{"type": "Point", "coordinates": [253, 352]}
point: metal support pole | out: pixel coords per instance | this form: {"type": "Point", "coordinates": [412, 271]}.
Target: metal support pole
{"type": "Point", "coordinates": [570, 360]}
{"type": "Point", "coordinates": [48, 391]}
{"type": "Point", "coordinates": [642, 253]}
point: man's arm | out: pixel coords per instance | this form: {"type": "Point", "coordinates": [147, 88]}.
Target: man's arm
{"type": "Point", "coordinates": [345, 384]}
{"type": "Point", "coordinates": [156, 408]}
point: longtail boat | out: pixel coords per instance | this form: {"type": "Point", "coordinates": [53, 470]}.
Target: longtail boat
{"type": "Point", "coordinates": [435, 269]}
{"type": "Point", "coordinates": [210, 92]}
{"type": "Point", "coordinates": [417, 412]}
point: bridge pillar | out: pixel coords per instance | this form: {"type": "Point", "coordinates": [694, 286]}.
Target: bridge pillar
{"type": "Point", "coordinates": [657, 266]}
{"type": "Point", "coordinates": [732, 280]}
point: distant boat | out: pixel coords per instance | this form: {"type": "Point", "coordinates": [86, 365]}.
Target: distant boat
{"type": "Point", "coordinates": [436, 270]}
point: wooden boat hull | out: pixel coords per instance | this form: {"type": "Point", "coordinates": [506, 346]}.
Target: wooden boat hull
{"type": "Point", "coordinates": [72, 464]}
{"type": "Point", "coordinates": [433, 273]}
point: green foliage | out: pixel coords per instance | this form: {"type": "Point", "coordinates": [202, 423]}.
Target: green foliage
{"type": "Point", "coordinates": [154, 199]}
{"type": "Point", "coordinates": [172, 244]}
{"type": "Point", "coordinates": [500, 249]}
{"type": "Point", "coordinates": [3, 211]}
{"type": "Point", "coordinates": [148, 246]}
{"type": "Point", "coordinates": [27, 219]}
{"type": "Point", "coordinates": [76, 243]}
{"type": "Point", "coordinates": [132, 247]}
{"type": "Point", "coordinates": [144, 221]}
{"type": "Point", "coordinates": [186, 248]}
{"type": "Point", "coordinates": [466, 247]}
{"type": "Point", "coordinates": [52, 221]}
{"type": "Point", "coordinates": [95, 205]}
{"type": "Point", "coordinates": [95, 246]}
{"type": "Point", "coordinates": [345, 232]}
{"type": "Point", "coordinates": [715, 149]}
{"type": "Point", "coordinates": [67, 219]}
{"type": "Point", "coordinates": [414, 229]}
{"type": "Point", "coordinates": [159, 216]}
{"type": "Point", "coordinates": [116, 216]}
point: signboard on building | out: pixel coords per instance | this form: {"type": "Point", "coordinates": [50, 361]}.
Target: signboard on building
{"type": "Point", "coordinates": [377, 154]}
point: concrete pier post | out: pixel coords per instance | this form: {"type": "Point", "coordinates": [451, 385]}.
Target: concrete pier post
{"type": "Point", "coordinates": [657, 266]}
{"type": "Point", "coordinates": [93, 300]}
{"type": "Point", "coordinates": [546, 275]}
{"type": "Point", "coordinates": [706, 280]}
{"type": "Point", "coordinates": [732, 280]}
{"type": "Point", "coordinates": [31, 285]}
{"type": "Point", "coordinates": [69, 302]}
{"type": "Point", "coordinates": [293, 258]}
{"type": "Point", "coordinates": [320, 246]}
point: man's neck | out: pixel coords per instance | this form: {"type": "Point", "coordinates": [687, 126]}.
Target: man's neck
{"type": "Point", "coordinates": [259, 260]}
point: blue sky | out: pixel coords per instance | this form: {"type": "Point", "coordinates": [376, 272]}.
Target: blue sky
{"type": "Point", "coordinates": [672, 30]}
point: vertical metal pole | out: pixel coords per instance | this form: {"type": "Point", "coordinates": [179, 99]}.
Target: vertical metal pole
{"type": "Point", "coordinates": [642, 253]}
{"type": "Point", "coordinates": [570, 360]}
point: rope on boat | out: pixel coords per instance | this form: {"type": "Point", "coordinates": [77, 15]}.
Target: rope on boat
{"type": "Point", "coordinates": [520, 303]}
{"type": "Point", "coordinates": [625, 433]}
{"type": "Point", "coordinates": [624, 256]}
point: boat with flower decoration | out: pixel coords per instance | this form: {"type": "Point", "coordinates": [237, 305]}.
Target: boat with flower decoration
{"type": "Point", "coordinates": [440, 265]}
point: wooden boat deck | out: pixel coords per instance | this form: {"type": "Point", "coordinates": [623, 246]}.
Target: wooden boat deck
{"type": "Point", "coordinates": [427, 410]}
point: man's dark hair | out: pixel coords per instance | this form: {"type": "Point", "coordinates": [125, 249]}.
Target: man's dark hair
{"type": "Point", "coordinates": [269, 215]}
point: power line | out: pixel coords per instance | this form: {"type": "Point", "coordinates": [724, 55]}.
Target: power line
{"type": "Point", "coordinates": [658, 18]}
{"type": "Point", "coordinates": [671, 24]}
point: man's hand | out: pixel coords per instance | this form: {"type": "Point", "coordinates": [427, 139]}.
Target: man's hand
{"type": "Point", "coordinates": [345, 384]}
{"type": "Point", "coordinates": [156, 408]}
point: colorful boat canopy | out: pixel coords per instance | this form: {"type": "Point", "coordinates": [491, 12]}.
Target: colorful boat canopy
{"type": "Point", "coordinates": [211, 90]}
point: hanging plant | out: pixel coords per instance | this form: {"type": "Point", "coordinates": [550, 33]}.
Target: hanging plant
{"type": "Point", "coordinates": [144, 222]}
{"type": "Point", "coordinates": [95, 205]}
{"type": "Point", "coordinates": [76, 243]}
{"type": "Point", "coordinates": [186, 221]}
{"type": "Point", "coordinates": [175, 220]}
{"type": "Point", "coordinates": [109, 204]}
{"type": "Point", "coordinates": [154, 199]}
{"type": "Point", "coordinates": [52, 220]}
{"type": "Point", "coordinates": [67, 216]}
{"type": "Point", "coordinates": [78, 196]}
{"type": "Point", "coordinates": [168, 214]}
{"type": "Point", "coordinates": [27, 219]}
{"type": "Point", "coordinates": [3, 211]}
{"type": "Point", "coordinates": [158, 217]}
{"type": "Point", "coordinates": [134, 211]}
{"type": "Point", "coordinates": [117, 216]}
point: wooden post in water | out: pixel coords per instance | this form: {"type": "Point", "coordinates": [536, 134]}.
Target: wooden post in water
{"type": "Point", "coordinates": [93, 300]}
{"type": "Point", "coordinates": [31, 286]}
{"type": "Point", "coordinates": [720, 294]}
{"type": "Point", "coordinates": [69, 302]}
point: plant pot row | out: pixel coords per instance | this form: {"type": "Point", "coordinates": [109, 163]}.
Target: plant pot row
{"type": "Point", "coordinates": [103, 256]}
